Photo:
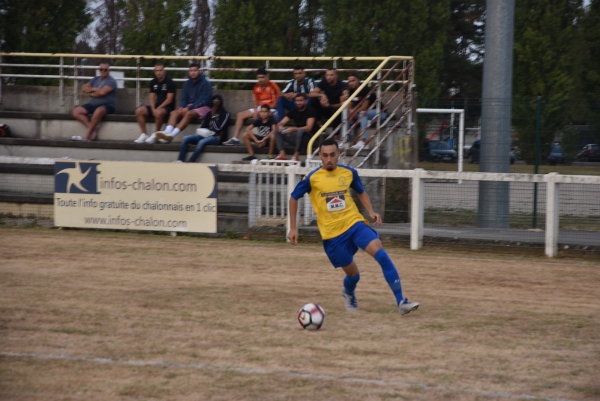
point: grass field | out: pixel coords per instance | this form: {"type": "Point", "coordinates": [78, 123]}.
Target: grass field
{"type": "Point", "coordinates": [88, 315]}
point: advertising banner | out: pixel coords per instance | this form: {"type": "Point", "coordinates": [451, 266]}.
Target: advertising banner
{"type": "Point", "coordinates": [136, 195]}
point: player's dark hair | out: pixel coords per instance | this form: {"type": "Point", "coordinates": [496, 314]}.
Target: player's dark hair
{"type": "Point", "coordinates": [194, 65]}
{"type": "Point", "coordinates": [299, 67]}
{"type": "Point", "coordinates": [300, 95]}
{"type": "Point", "coordinates": [329, 142]}
{"type": "Point", "coordinates": [261, 71]}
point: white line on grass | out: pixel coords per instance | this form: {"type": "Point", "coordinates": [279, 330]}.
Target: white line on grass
{"type": "Point", "coordinates": [201, 366]}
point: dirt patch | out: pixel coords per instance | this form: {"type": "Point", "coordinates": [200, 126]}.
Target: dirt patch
{"type": "Point", "coordinates": [102, 315]}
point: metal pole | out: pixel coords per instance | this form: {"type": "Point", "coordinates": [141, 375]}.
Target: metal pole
{"type": "Point", "coordinates": [62, 82]}
{"type": "Point", "coordinates": [75, 84]}
{"type": "Point", "coordinates": [538, 127]}
{"type": "Point", "coordinates": [138, 102]}
{"type": "Point", "coordinates": [378, 122]}
{"type": "Point", "coordinates": [494, 206]}
{"type": "Point", "coordinates": [0, 80]}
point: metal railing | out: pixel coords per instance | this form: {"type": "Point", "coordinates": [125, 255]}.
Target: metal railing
{"type": "Point", "coordinates": [205, 61]}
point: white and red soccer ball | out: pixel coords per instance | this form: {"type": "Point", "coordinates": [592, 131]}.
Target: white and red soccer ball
{"type": "Point", "coordinates": [311, 317]}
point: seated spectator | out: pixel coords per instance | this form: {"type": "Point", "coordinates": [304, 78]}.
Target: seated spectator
{"type": "Point", "coordinates": [300, 84]}
{"type": "Point", "coordinates": [358, 110]}
{"type": "Point", "coordinates": [328, 92]}
{"type": "Point", "coordinates": [212, 132]}
{"type": "Point", "coordinates": [261, 132]}
{"type": "Point", "coordinates": [195, 103]}
{"type": "Point", "coordinates": [162, 103]}
{"type": "Point", "coordinates": [265, 92]}
{"type": "Point", "coordinates": [102, 91]}
{"type": "Point", "coordinates": [304, 117]}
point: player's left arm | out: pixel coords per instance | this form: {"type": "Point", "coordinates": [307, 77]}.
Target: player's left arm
{"type": "Point", "coordinates": [366, 202]}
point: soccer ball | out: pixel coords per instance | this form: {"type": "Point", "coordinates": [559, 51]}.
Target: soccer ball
{"type": "Point", "coordinates": [311, 317]}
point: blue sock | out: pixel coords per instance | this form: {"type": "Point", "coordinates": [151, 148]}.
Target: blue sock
{"type": "Point", "coordinates": [390, 273]}
{"type": "Point", "coordinates": [350, 283]}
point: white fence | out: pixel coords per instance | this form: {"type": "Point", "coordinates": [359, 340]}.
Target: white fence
{"type": "Point", "coordinates": [418, 176]}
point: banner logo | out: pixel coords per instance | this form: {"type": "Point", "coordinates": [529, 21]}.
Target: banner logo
{"type": "Point", "coordinates": [76, 178]}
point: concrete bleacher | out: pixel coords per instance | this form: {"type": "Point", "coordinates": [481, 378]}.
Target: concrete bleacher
{"type": "Point", "coordinates": [41, 126]}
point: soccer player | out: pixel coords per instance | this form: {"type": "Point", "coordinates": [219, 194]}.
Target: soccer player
{"type": "Point", "coordinates": [343, 229]}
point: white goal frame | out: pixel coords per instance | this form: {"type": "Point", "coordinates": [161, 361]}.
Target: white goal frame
{"type": "Point", "coordinates": [461, 128]}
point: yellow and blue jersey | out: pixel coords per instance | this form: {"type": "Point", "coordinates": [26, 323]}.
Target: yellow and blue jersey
{"type": "Point", "coordinates": [330, 196]}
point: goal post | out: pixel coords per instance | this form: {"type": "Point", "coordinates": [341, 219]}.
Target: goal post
{"type": "Point", "coordinates": [461, 129]}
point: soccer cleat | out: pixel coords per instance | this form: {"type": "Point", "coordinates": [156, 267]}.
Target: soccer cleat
{"type": "Point", "coordinates": [151, 138]}
{"type": "Point", "coordinates": [405, 307]}
{"type": "Point", "coordinates": [248, 158]}
{"type": "Point", "coordinates": [350, 301]}
{"type": "Point", "coordinates": [232, 142]}
{"type": "Point", "coordinates": [163, 137]}
{"type": "Point", "coordinates": [141, 139]}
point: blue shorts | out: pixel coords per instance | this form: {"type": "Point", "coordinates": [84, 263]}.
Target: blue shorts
{"type": "Point", "coordinates": [110, 109]}
{"type": "Point", "coordinates": [341, 249]}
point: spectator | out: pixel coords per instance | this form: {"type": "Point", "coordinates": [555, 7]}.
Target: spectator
{"type": "Point", "coordinates": [358, 110]}
{"type": "Point", "coordinates": [102, 91]}
{"type": "Point", "coordinates": [195, 103]}
{"type": "Point", "coordinates": [265, 92]}
{"type": "Point", "coordinates": [212, 132]}
{"type": "Point", "coordinates": [304, 117]}
{"type": "Point", "coordinates": [300, 84]}
{"type": "Point", "coordinates": [162, 103]}
{"type": "Point", "coordinates": [261, 132]}
{"type": "Point", "coordinates": [329, 93]}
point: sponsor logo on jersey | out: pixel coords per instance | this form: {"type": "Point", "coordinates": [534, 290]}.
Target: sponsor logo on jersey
{"type": "Point", "coordinates": [336, 203]}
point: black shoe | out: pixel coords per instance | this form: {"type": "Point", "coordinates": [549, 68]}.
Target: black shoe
{"type": "Point", "coordinates": [248, 158]}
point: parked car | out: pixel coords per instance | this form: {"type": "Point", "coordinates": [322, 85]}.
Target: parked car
{"type": "Point", "coordinates": [556, 155]}
{"type": "Point", "coordinates": [475, 150]}
{"type": "Point", "coordinates": [589, 153]}
{"type": "Point", "coordinates": [438, 151]}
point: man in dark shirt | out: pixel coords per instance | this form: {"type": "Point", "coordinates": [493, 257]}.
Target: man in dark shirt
{"type": "Point", "coordinates": [304, 117]}
{"type": "Point", "coordinates": [329, 91]}
{"type": "Point", "coordinates": [162, 103]}
{"type": "Point", "coordinates": [261, 132]}
{"type": "Point", "coordinates": [358, 110]}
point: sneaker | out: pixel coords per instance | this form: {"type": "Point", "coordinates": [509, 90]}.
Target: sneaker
{"type": "Point", "coordinates": [177, 161]}
{"type": "Point", "coordinates": [248, 158]}
{"type": "Point", "coordinates": [405, 307]}
{"type": "Point", "coordinates": [141, 139]}
{"type": "Point", "coordinates": [350, 301]}
{"type": "Point", "coordinates": [295, 159]}
{"type": "Point", "coordinates": [270, 157]}
{"type": "Point", "coordinates": [281, 157]}
{"type": "Point", "coordinates": [359, 145]}
{"type": "Point", "coordinates": [163, 137]}
{"type": "Point", "coordinates": [232, 142]}
{"type": "Point", "coordinates": [151, 138]}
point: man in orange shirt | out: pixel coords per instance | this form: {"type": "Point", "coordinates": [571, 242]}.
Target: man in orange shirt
{"type": "Point", "coordinates": [265, 93]}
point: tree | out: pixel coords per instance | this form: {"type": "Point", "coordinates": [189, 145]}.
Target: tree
{"type": "Point", "coordinates": [388, 27]}
{"type": "Point", "coordinates": [201, 30]}
{"type": "Point", "coordinates": [590, 71]}
{"type": "Point", "coordinates": [462, 73]}
{"type": "Point", "coordinates": [34, 26]}
{"type": "Point", "coordinates": [49, 26]}
{"type": "Point", "coordinates": [155, 27]}
{"type": "Point", "coordinates": [110, 15]}
{"type": "Point", "coordinates": [546, 58]}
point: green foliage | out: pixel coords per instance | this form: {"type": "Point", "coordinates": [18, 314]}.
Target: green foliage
{"type": "Point", "coordinates": [545, 64]}
{"type": "Point", "coordinates": [590, 71]}
{"type": "Point", "coordinates": [156, 27]}
{"type": "Point", "coordinates": [33, 26]}
{"type": "Point", "coordinates": [388, 27]}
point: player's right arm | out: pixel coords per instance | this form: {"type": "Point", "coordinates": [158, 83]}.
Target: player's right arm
{"type": "Point", "coordinates": [293, 212]}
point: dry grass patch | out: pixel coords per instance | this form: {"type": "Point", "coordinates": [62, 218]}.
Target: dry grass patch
{"type": "Point", "coordinates": [219, 318]}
